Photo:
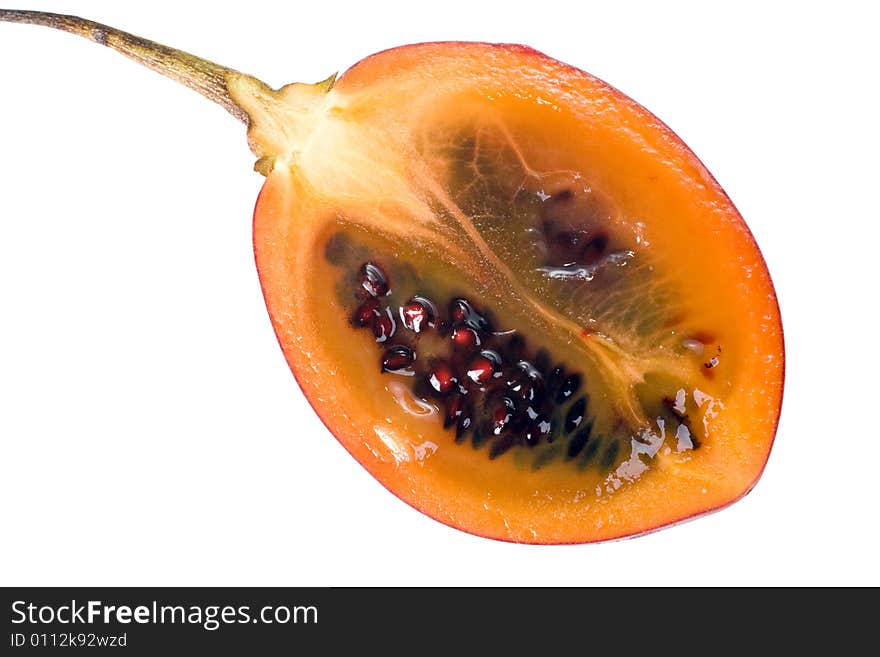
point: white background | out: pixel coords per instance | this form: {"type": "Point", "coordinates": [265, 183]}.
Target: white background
{"type": "Point", "coordinates": [151, 432]}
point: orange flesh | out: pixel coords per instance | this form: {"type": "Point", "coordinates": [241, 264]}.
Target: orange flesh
{"type": "Point", "coordinates": [376, 165]}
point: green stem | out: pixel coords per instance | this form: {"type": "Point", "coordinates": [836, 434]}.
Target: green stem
{"type": "Point", "coordinates": [209, 79]}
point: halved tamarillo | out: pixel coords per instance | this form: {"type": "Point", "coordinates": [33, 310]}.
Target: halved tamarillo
{"type": "Point", "coordinates": [512, 294]}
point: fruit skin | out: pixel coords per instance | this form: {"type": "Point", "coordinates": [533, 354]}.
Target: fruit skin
{"type": "Point", "coordinates": [286, 214]}
{"type": "Point", "coordinates": [494, 512]}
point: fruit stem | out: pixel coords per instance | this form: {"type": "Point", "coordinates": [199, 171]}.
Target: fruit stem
{"type": "Point", "coordinates": [209, 79]}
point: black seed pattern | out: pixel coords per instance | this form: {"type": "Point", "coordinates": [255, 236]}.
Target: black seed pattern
{"type": "Point", "coordinates": [489, 387]}
{"type": "Point", "coordinates": [578, 442]}
{"type": "Point", "coordinates": [538, 430]}
{"type": "Point", "coordinates": [542, 360]}
{"type": "Point", "coordinates": [554, 430]}
{"type": "Point", "coordinates": [554, 381]}
{"type": "Point", "coordinates": [568, 388]}
{"type": "Point", "coordinates": [454, 409]}
{"type": "Point", "coordinates": [590, 451]}
{"type": "Point", "coordinates": [463, 427]}
{"type": "Point", "coordinates": [610, 455]}
{"type": "Point", "coordinates": [575, 415]}
{"type": "Point", "coordinates": [515, 348]}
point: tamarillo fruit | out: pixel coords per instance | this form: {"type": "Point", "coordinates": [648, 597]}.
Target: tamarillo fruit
{"type": "Point", "coordinates": [512, 294]}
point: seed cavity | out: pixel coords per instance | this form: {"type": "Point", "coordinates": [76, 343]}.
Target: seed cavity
{"type": "Point", "coordinates": [490, 387]}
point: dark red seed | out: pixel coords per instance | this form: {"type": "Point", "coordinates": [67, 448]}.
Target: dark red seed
{"type": "Point", "coordinates": [520, 418]}
{"type": "Point", "coordinates": [459, 310]}
{"type": "Point", "coordinates": [502, 413]}
{"type": "Point", "coordinates": [454, 409]}
{"type": "Point", "coordinates": [538, 430]}
{"type": "Point", "coordinates": [397, 358]}
{"type": "Point", "coordinates": [441, 378]}
{"type": "Point", "coordinates": [578, 441]}
{"type": "Point", "coordinates": [554, 380]}
{"type": "Point", "coordinates": [542, 360]}
{"type": "Point", "coordinates": [554, 430]}
{"type": "Point", "coordinates": [536, 395]}
{"type": "Point", "coordinates": [515, 348]}
{"type": "Point", "coordinates": [383, 326]}
{"type": "Point", "coordinates": [484, 366]}
{"type": "Point", "coordinates": [519, 386]}
{"type": "Point", "coordinates": [530, 370]}
{"type": "Point", "coordinates": [365, 312]}
{"type": "Point", "coordinates": [527, 383]}
{"type": "Point", "coordinates": [418, 314]}
{"type": "Point", "coordinates": [462, 312]}
{"type": "Point", "coordinates": [464, 338]}
{"type": "Point", "coordinates": [568, 388]}
{"type": "Point", "coordinates": [575, 415]}
{"type": "Point", "coordinates": [480, 369]}
{"type": "Point", "coordinates": [463, 426]}
{"type": "Point", "coordinates": [373, 280]}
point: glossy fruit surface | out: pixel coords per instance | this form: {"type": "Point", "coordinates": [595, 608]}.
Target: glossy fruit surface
{"type": "Point", "coordinates": [511, 293]}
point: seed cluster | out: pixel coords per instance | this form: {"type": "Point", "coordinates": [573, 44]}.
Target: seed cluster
{"type": "Point", "coordinates": [491, 389]}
